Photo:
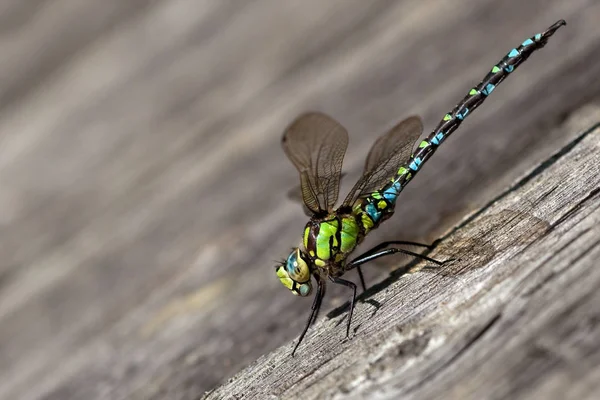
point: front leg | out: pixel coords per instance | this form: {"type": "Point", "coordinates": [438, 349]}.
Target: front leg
{"type": "Point", "coordinates": [314, 310]}
{"type": "Point", "coordinates": [362, 278]}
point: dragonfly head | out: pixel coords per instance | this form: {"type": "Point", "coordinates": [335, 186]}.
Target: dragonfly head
{"type": "Point", "coordinates": [294, 273]}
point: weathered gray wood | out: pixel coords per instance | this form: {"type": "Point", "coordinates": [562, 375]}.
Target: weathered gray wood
{"type": "Point", "coordinates": [515, 316]}
{"type": "Point", "coordinates": [142, 185]}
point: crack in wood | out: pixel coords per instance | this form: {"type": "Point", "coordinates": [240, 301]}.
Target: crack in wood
{"type": "Point", "coordinates": [573, 209]}
{"type": "Point", "coordinates": [554, 255]}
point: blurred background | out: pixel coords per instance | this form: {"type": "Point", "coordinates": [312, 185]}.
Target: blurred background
{"type": "Point", "coordinates": [143, 187]}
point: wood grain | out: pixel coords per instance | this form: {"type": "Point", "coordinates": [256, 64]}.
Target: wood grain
{"type": "Point", "coordinates": [143, 187]}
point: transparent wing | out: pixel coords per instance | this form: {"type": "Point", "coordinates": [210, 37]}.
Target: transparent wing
{"type": "Point", "coordinates": [388, 153]}
{"type": "Point", "coordinates": [316, 144]}
{"type": "Point", "coordinates": [295, 195]}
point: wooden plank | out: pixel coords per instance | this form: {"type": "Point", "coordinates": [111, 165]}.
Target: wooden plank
{"type": "Point", "coordinates": [514, 316]}
{"type": "Point", "coordinates": [143, 186]}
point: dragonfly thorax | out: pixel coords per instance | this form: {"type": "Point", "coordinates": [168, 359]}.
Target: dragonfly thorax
{"type": "Point", "coordinates": [327, 241]}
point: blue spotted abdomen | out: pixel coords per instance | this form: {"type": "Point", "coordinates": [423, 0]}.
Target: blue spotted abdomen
{"type": "Point", "coordinates": [371, 210]}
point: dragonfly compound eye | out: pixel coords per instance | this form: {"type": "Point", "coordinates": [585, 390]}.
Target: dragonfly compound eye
{"type": "Point", "coordinates": [294, 274]}
{"type": "Point", "coordinates": [297, 268]}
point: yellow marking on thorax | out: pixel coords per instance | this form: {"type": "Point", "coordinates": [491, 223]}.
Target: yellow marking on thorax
{"type": "Point", "coordinates": [306, 235]}
{"type": "Point", "coordinates": [319, 262]}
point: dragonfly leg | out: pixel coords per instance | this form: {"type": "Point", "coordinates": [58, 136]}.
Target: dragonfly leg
{"type": "Point", "coordinates": [362, 278]}
{"type": "Point", "coordinates": [370, 256]}
{"type": "Point", "coordinates": [400, 243]}
{"type": "Point", "coordinates": [379, 247]}
{"type": "Point", "coordinates": [383, 245]}
{"type": "Point", "coordinates": [351, 285]}
{"type": "Point", "coordinates": [314, 310]}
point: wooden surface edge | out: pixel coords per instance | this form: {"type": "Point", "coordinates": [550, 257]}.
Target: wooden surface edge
{"type": "Point", "coordinates": [449, 343]}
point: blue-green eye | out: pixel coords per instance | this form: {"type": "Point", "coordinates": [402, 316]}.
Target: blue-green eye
{"type": "Point", "coordinates": [297, 268]}
{"type": "Point", "coordinates": [295, 274]}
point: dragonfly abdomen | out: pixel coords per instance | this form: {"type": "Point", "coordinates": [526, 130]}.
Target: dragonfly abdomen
{"type": "Point", "coordinates": [479, 93]}
{"type": "Point", "coordinates": [375, 207]}
{"type": "Point", "coordinates": [372, 210]}
{"type": "Point", "coordinates": [464, 108]}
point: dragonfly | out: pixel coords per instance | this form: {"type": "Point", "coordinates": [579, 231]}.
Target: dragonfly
{"type": "Point", "coordinates": [316, 143]}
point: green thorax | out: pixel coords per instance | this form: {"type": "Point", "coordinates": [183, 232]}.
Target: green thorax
{"type": "Point", "coordinates": [330, 239]}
